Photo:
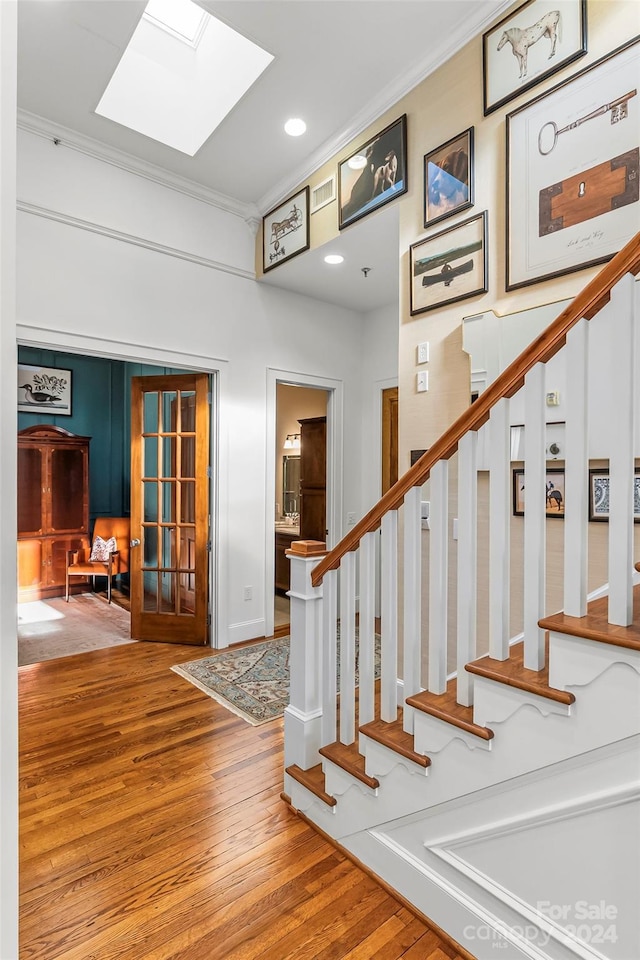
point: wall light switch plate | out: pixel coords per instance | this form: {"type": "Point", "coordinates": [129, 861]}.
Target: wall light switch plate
{"type": "Point", "coordinates": [423, 352]}
{"type": "Point", "coordinates": [422, 381]}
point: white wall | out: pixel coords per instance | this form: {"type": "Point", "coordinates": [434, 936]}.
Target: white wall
{"type": "Point", "coordinates": [110, 262]}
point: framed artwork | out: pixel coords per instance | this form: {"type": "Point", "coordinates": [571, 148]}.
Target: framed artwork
{"type": "Point", "coordinates": [599, 495]}
{"type": "Point", "coordinates": [44, 390]}
{"type": "Point", "coordinates": [554, 493]}
{"type": "Point", "coordinates": [448, 178]}
{"type": "Point", "coordinates": [285, 230]}
{"type": "Point", "coordinates": [375, 174]}
{"type": "Point", "coordinates": [572, 171]}
{"type": "Point", "coordinates": [449, 266]}
{"type": "Point", "coordinates": [529, 44]}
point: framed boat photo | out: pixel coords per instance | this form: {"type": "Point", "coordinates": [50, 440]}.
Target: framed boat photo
{"type": "Point", "coordinates": [449, 266]}
{"type": "Point", "coordinates": [573, 171]}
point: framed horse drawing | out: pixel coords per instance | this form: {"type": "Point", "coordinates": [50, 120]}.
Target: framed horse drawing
{"type": "Point", "coordinates": [285, 230]}
{"type": "Point", "coordinates": [530, 44]}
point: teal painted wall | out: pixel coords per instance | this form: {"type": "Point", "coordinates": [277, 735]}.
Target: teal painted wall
{"type": "Point", "coordinates": [100, 409]}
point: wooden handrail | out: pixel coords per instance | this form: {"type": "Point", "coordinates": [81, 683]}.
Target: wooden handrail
{"type": "Point", "coordinates": [587, 303]}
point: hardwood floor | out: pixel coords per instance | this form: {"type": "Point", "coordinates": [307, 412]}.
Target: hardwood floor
{"type": "Point", "coordinates": [152, 829]}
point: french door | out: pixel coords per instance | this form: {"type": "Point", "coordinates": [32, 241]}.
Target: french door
{"type": "Point", "coordinates": [169, 560]}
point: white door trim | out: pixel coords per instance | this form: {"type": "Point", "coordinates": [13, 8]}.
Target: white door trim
{"type": "Point", "coordinates": [66, 342]}
{"type": "Point", "coordinates": [335, 430]}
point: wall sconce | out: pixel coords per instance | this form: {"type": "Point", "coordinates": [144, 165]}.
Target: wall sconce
{"type": "Point", "coordinates": [292, 442]}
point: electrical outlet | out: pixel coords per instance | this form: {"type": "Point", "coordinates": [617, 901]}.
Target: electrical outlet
{"type": "Point", "coordinates": [351, 518]}
{"type": "Point", "coordinates": [423, 352]}
{"type": "Point", "coordinates": [248, 593]}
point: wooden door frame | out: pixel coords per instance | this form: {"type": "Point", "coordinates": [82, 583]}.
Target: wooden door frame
{"type": "Point", "coordinates": [64, 342]}
{"type": "Point", "coordinates": [335, 430]}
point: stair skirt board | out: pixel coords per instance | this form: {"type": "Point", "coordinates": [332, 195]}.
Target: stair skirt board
{"type": "Point", "coordinates": [469, 880]}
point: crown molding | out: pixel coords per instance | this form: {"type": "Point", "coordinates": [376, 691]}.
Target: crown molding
{"type": "Point", "coordinates": [92, 227]}
{"type": "Point", "coordinates": [41, 127]}
{"type": "Point", "coordinates": [379, 105]}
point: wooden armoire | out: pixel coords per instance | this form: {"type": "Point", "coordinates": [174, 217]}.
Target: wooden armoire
{"type": "Point", "coordinates": [313, 478]}
{"type": "Point", "coordinates": [53, 508]}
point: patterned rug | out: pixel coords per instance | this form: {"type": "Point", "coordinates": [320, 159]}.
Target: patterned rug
{"type": "Point", "coordinates": [252, 682]}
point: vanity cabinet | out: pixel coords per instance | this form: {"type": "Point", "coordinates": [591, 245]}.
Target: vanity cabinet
{"type": "Point", "coordinates": [284, 539]}
{"type": "Point", "coordinates": [53, 508]}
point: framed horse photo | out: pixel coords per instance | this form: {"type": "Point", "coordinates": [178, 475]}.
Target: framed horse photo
{"type": "Point", "coordinates": [530, 44]}
{"type": "Point", "coordinates": [285, 230]}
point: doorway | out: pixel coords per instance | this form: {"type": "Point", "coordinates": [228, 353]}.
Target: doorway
{"type": "Point", "coordinates": [100, 386]}
{"type": "Point", "coordinates": [301, 414]}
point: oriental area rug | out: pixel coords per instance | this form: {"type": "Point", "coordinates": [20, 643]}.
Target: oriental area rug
{"type": "Point", "coordinates": [253, 681]}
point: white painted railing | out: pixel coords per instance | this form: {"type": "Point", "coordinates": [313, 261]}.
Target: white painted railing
{"type": "Point", "coordinates": [333, 626]}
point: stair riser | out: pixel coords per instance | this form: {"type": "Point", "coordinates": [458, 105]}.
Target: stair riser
{"type": "Point", "coordinates": [431, 735]}
{"type": "Point", "coordinates": [380, 760]}
{"type": "Point", "coordinates": [574, 661]}
{"type": "Point", "coordinates": [496, 702]}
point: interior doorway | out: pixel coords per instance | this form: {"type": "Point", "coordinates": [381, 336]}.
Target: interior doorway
{"type": "Point", "coordinates": [101, 412]}
{"type": "Point", "coordinates": [301, 414]}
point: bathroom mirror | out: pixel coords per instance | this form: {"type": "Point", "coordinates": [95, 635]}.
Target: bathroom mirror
{"type": "Point", "coordinates": [290, 485]}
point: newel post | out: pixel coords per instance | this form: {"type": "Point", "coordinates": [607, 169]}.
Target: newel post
{"type": "Point", "coordinates": [302, 718]}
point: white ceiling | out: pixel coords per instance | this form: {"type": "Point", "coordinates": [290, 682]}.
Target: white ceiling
{"type": "Point", "coordinates": [338, 64]}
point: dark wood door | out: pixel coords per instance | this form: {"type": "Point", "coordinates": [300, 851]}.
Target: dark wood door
{"type": "Point", "coordinates": [313, 479]}
{"type": "Point", "coordinates": [389, 438]}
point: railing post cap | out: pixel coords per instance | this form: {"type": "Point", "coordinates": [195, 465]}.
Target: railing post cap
{"type": "Point", "coordinates": [307, 548]}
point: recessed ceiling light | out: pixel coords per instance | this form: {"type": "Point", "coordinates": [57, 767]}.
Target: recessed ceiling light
{"type": "Point", "coordinates": [295, 127]}
{"type": "Point", "coordinates": [357, 162]}
{"type": "Point", "coordinates": [333, 258]}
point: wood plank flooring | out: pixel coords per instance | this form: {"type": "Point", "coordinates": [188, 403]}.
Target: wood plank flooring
{"type": "Point", "coordinates": [152, 829]}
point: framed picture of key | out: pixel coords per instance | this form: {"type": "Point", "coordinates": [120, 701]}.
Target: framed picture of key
{"type": "Point", "coordinates": [572, 171]}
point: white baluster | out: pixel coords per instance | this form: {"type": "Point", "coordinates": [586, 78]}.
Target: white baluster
{"type": "Point", "coordinates": [329, 657]}
{"type": "Point", "coordinates": [438, 576]}
{"type": "Point", "coordinates": [348, 648]}
{"type": "Point", "coordinates": [412, 598]}
{"type": "Point", "coordinates": [576, 483]}
{"type": "Point", "coordinates": [621, 461]}
{"type": "Point", "coordinates": [467, 562]}
{"type": "Point", "coordinates": [366, 631]}
{"type": "Point", "coordinates": [499, 531]}
{"type": "Point", "coordinates": [389, 617]}
{"type": "Point", "coordinates": [534, 517]}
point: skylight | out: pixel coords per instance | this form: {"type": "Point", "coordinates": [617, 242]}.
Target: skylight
{"type": "Point", "coordinates": [181, 74]}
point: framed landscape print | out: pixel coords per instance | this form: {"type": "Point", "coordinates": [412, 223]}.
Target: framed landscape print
{"type": "Point", "coordinates": [285, 231]}
{"type": "Point", "coordinates": [599, 495]}
{"type": "Point", "coordinates": [554, 493]}
{"type": "Point", "coordinates": [44, 390]}
{"type": "Point", "coordinates": [529, 44]}
{"type": "Point", "coordinates": [572, 171]}
{"type": "Point", "coordinates": [375, 174]}
{"type": "Point", "coordinates": [448, 178]}
{"type": "Point", "coordinates": [449, 266]}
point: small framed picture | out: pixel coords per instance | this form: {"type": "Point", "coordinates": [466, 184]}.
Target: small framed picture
{"type": "Point", "coordinates": [375, 174]}
{"type": "Point", "coordinates": [285, 230]}
{"type": "Point", "coordinates": [554, 493]}
{"type": "Point", "coordinates": [599, 495]}
{"type": "Point", "coordinates": [448, 178]}
{"type": "Point", "coordinates": [449, 266]}
{"type": "Point", "coordinates": [44, 390]}
{"type": "Point", "coordinates": [529, 44]}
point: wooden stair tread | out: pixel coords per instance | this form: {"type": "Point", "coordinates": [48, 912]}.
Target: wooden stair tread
{"type": "Point", "coordinates": [313, 780]}
{"type": "Point", "coordinates": [514, 673]}
{"type": "Point", "coordinates": [348, 757]}
{"type": "Point", "coordinates": [392, 735]}
{"type": "Point", "coordinates": [445, 707]}
{"type": "Point", "coordinates": [594, 626]}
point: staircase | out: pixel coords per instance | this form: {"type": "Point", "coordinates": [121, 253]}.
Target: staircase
{"type": "Point", "coordinates": [498, 794]}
